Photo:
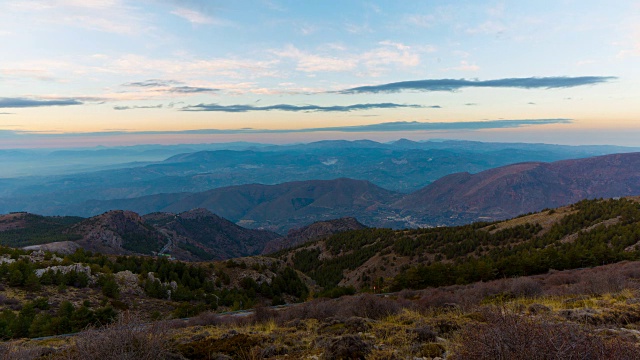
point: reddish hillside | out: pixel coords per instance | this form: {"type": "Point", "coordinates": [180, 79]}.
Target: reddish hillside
{"type": "Point", "coordinates": [521, 188]}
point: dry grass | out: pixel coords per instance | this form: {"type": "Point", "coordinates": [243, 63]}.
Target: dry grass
{"type": "Point", "coordinates": [596, 310]}
{"type": "Point", "coordinates": [128, 338]}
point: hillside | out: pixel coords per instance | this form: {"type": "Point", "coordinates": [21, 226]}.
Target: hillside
{"type": "Point", "coordinates": [24, 229]}
{"type": "Point", "coordinates": [311, 232]}
{"type": "Point", "coordinates": [274, 207]}
{"type": "Point", "coordinates": [118, 232]}
{"type": "Point", "coordinates": [210, 236]}
{"type": "Point", "coordinates": [521, 188]}
{"type": "Point", "coordinates": [194, 235]}
{"type": "Point", "coordinates": [588, 233]}
{"type": "Point", "coordinates": [150, 307]}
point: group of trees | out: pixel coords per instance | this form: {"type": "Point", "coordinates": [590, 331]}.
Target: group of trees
{"type": "Point", "coordinates": [36, 319]}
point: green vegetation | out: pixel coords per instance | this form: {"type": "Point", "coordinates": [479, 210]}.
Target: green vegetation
{"type": "Point", "coordinates": [535, 255]}
{"type": "Point", "coordinates": [480, 251]}
{"type": "Point", "coordinates": [193, 288]}
{"type": "Point", "coordinates": [39, 230]}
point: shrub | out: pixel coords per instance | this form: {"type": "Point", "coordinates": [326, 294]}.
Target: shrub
{"type": "Point", "coordinates": [509, 336]}
{"type": "Point", "coordinates": [346, 347]}
{"type": "Point", "coordinates": [128, 338]}
{"type": "Point", "coordinates": [524, 286]}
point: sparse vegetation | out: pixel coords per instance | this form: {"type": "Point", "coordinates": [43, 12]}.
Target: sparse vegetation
{"type": "Point", "coordinates": [505, 315]}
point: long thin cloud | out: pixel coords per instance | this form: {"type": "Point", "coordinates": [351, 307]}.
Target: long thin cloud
{"type": "Point", "coordinates": [137, 107]}
{"type": "Point", "coordinates": [457, 84]}
{"type": "Point", "coordinates": [380, 127]}
{"type": "Point", "coordinates": [152, 83]}
{"type": "Point", "coordinates": [301, 108]}
{"type": "Point", "coordinates": [27, 103]}
{"type": "Point", "coordinates": [169, 86]}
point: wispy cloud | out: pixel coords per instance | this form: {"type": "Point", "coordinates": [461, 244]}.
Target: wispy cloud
{"type": "Point", "coordinates": [28, 103]}
{"type": "Point", "coordinates": [371, 62]}
{"type": "Point", "coordinates": [299, 108]}
{"type": "Point", "coordinates": [195, 17]}
{"type": "Point", "coordinates": [159, 106]}
{"type": "Point", "coordinates": [457, 84]}
{"type": "Point", "coordinates": [465, 66]}
{"type": "Point", "coordinates": [113, 16]}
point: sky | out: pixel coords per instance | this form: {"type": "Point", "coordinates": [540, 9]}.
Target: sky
{"type": "Point", "coordinates": [121, 72]}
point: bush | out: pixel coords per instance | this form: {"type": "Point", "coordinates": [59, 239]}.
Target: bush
{"type": "Point", "coordinates": [524, 286]}
{"type": "Point", "coordinates": [128, 338]}
{"type": "Point", "coordinates": [346, 347]}
{"type": "Point", "coordinates": [509, 336]}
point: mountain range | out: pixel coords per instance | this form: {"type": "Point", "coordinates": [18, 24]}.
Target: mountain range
{"type": "Point", "coordinates": [402, 166]}
{"type": "Point", "coordinates": [455, 199]}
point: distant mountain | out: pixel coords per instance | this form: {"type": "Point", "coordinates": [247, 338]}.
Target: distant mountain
{"type": "Point", "coordinates": [284, 206]}
{"type": "Point", "coordinates": [213, 236]}
{"type": "Point", "coordinates": [315, 231]}
{"type": "Point", "coordinates": [402, 166]}
{"type": "Point", "coordinates": [455, 199]}
{"type": "Point", "coordinates": [521, 188]}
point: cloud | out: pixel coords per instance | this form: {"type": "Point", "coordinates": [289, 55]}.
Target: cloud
{"type": "Point", "coordinates": [27, 103]}
{"type": "Point", "coordinates": [301, 108]}
{"type": "Point", "coordinates": [137, 107]}
{"type": "Point", "coordinates": [191, 89]}
{"type": "Point", "coordinates": [370, 63]}
{"type": "Point", "coordinates": [6, 113]}
{"type": "Point", "coordinates": [169, 86]}
{"type": "Point", "coordinates": [380, 127]}
{"type": "Point", "coordinates": [112, 16]}
{"type": "Point", "coordinates": [153, 83]}
{"type": "Point", "coordinates": [195, 17]}
{"type": "Point", "coordinates": [457, 84]}
{"type": "Point", "coordinates": [316, 63]}
{"type": "Point", "coordinates": [465, 66]}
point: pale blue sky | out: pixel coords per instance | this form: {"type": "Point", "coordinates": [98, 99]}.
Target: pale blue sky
{"type": "Point", "coordinates": [170, 65]}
